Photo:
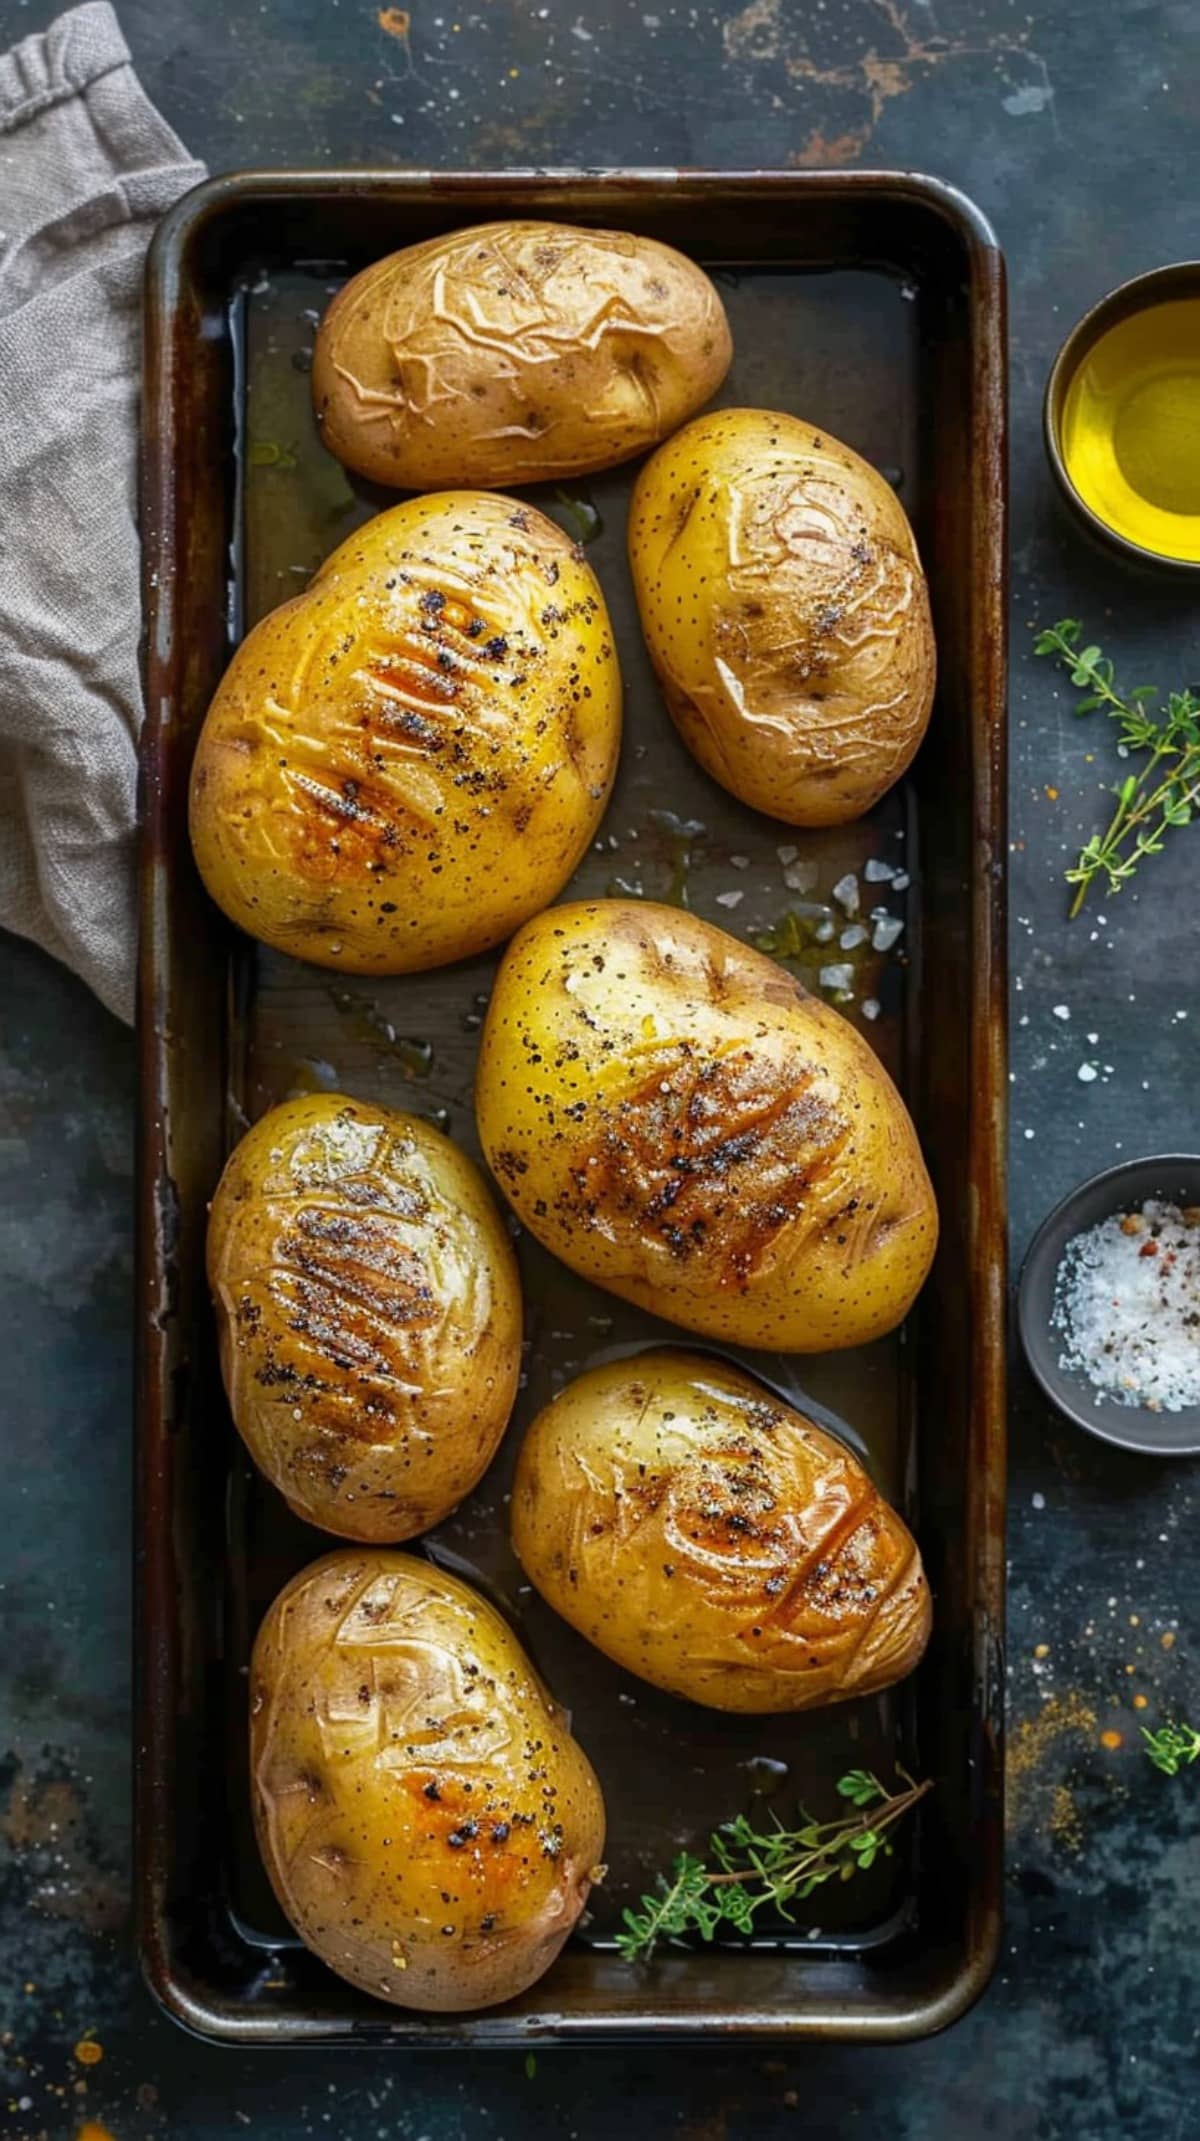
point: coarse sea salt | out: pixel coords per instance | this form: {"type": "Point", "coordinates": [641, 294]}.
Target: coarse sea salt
{"type": "Point", "coordinates": [1127, 1302]}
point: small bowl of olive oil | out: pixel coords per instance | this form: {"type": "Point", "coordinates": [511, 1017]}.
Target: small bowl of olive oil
{"type": "Point", "coordinates": [1122, 418]}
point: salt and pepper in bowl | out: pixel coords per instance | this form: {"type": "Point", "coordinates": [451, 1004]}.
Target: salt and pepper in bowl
{"type": "Point", "coordinates": [1109, 1305]}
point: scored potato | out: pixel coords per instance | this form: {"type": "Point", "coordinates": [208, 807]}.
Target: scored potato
{"type": "Point", "coordinates": [785, 611]}
{"type": "Point", "coordinates": [515, 353]}
{"type": "Point", "coordinates": [368, 1314]}
{"type": "Point", "coordinates": [677, 1119]}
{"type": "Point", "coordinates": [715, 1541]}
{"type": "Point", "coordinates": [428, 1823]}
{"type": "Point", "coordinates": [409, 758]}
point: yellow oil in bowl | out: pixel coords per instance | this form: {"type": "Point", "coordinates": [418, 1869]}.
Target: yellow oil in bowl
{"type": "Point", "coordinates": [1130, 429]}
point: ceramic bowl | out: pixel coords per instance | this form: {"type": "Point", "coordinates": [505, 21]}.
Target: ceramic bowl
{"type": "Point", "coordinates": [1173, 1177]}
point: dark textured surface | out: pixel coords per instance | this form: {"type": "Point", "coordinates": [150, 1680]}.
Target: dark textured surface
{"type": "Point", "coordinates": [1070, 126]}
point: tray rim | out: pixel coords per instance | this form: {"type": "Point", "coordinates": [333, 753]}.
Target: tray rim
{"type": "Point", "coordinates": [951, 1991]}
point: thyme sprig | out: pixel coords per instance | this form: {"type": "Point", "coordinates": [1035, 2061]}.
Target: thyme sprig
{"type": "Point", "coordinates": [1171, 1746]}
{"type": "Point", "coordinates": [1162, 793]}
{"type": "Point", "coordinates": [768, 1869]}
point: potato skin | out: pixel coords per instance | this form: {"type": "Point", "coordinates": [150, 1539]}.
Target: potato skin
{"type": "Point", "coordinates": [785, 611]}
{"type": "Point", "coordinates": [711, 1539]}
{"type": "Point", "coordinates": [408, 759]}
{"type": "Point", "coordinates": [368, 1313]}
{"type": "Point", "coordinates": [515, 353]}
{"type": "Point", "coordinates": [429, 1825]}
{"type": "Point", "coordinates": [678, 1120]}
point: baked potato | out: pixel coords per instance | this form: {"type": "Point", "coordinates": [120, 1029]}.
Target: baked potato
{"type": "Point", "coordinates": [368, 1314]}
{"type": "Point", "coordinates": [678, 1120]}
{"type": "Point", "coordinates": [429, 1825]}
{"type": "Point", "coordinates": [515, 353]}
{"type": "Point", "coordinates": [711, 1539]}
{"type": "Point", "coordinates": [785, 611]}
{"type": "Point", "coordinates": [408, 759]}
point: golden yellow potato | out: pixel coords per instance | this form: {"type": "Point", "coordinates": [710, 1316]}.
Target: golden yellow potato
{"type": "Point", "coordinates": [368, 1313]}
{"type": "Point", "coordinates": [428, 1823]}
{"type": "Point", "coordinates": [515, 353]}
{"type": "Point", "coordinates": [678, 1120]}
{"type": "Point", "coordinates": [786, 613]}
{"type": "Point", "coordinates": [711, 1539]}
{"type": "Point", "coordinates": [408, 759]}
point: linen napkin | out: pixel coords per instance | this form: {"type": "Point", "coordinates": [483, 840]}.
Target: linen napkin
{"type": "Point", "coordinates": [86, 168]}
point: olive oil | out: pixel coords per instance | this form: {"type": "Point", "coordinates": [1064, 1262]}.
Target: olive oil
{"type": "Point", "coordinates": [1131, 429]}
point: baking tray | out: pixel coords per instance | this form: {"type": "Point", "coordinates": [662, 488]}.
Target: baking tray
{"type": "Point", "coordinates": [871, 303]}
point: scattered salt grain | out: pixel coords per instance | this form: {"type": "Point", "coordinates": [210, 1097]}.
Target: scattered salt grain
{"type": "Point", "coordinates": [845, 892]}
{"type": "Point", "coordinates": [852, 937]}
{"type": "Point", "coordinates": [801, 877]}
{"type": "Point", "coordinates": [1127, 1302]}
{"type": "Point", "coordinates": [870, 1007]}
{"type": "Point", "coordinates": [1086, 1073]}
{"type": "Point", "coordinates": [787, 854]}
{"type": "Point", "coordinates": [730, 899]}
{"type": "Point", "coordinates": [739, 862]}
{"type": "Point", "coordinates": [837, 977]}
{"type": "Point", "coordinates": [888, 929]}
{"type": "Point", "coordinates": [878, 873]}
{"type": "Point", "coordinates": [901, 881]}
{"type": "Point", "coordinates": [1061, 1011]}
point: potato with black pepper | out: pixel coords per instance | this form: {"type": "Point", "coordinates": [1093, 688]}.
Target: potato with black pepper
{"type": "Point", "coordinates": [675, 1117]}
{"type": "Point", "coordinates": [515, 353]}
{"type": "Point", "coordinates": [713, 1540]}
{"type": "Point", "coordinates": [408, 759]}
{"type": "Point", "coordinates": [368, 1314]}
{"type": "Point", "coordinates": [785, 611]}
{"type": "Point", "coordinates": [428, 1823]}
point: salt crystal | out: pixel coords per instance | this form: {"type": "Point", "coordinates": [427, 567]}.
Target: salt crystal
{"type": "Point", "coordinates": [1086, 1073]}
{"type": "Point", "coordinates": [730, 899]}
{"type": "Point", "coordinates": [836, 977]}
{"type": "Point", "coordinates": [901, 881]}
{"type": "Point", "coordinates": [878, 873]}
{"type": "Point", "coordinates": [1131, 1322]}
{"type": "Point", "coordinates": [801, 877]}
{"type": "Point", "coordinates": [871, 1007]}
{"type": "Point", "coordinates": [739, 862]}
{"type": "Point", "coordinates": [824, 931]}
{"type": "Point", "coordinates": [887, 930]}
{"type": "Point", "coordinates": [852, 937]}
{"type": "Point", "coordinates": [1061, 1011]}
{"type": "Point", "coordinates": [845, 892]}
{"type": "Point", "coordinates": [787, 854]}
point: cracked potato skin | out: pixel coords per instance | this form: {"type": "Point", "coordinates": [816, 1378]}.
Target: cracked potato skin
{"type": "Point", "coordinates": [408, 759]}
{"type": "Point", "coordinates": [713, 1540]}
{"type": "Point", "coordinates": [368, 1314]}
{"type": "Point", "coordinates": [673, 1116]}
{"type": "Point", "coordinates": [515, 353]}
{"type": "Point", "coordinates": [429, 1825]}
{"type": "Point", "coordinates": [785, 611]}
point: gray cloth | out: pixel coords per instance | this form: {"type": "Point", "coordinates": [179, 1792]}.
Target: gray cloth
{"type": "Point", "coordinates": [86, 168]}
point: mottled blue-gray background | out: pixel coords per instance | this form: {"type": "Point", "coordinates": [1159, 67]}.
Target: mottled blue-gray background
{"type": "Point", "coordinates": [1072, 123]}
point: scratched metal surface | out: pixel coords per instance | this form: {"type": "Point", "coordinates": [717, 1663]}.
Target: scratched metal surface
{"type": "Point", "coordinates": [1063, 120]}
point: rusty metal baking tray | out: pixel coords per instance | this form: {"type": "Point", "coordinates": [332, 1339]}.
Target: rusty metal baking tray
{"type": "Point", "coordinates": [873, 304]}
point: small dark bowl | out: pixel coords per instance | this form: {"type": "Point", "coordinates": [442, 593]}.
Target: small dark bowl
{"type": "Point", "coordinates": [1160, 287]}
{"type": "Point", "coordinates": [1173, 1177]}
